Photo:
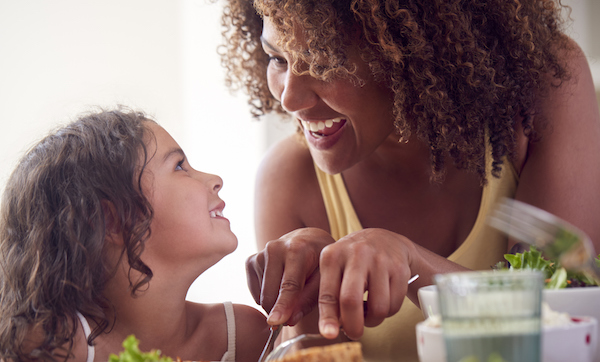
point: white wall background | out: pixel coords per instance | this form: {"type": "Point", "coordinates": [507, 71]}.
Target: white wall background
{"type": "Point", "coordinates": [58, 58]}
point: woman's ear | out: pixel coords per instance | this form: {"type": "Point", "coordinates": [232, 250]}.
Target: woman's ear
{"type": "Point", "coordinates": [111, 222]}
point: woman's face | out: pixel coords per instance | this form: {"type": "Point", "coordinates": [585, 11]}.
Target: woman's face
{"type": "Point", "coordinates": [343, 122]}
{"type": "Point", "coordinates": [188, 220]}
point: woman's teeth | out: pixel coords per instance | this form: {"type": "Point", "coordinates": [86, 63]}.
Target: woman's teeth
{"type": "Point", "coordinates": [320, 125]}
{"type": "Point", "coordinates": [216, 213]}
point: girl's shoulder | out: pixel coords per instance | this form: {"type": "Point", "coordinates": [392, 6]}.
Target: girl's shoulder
{"type": "Point", "coordinates": [252, 332]}
{"type": "Point", "coordinates": [79, 350]}
{"type": "Point", "coordinates": [248, 323]}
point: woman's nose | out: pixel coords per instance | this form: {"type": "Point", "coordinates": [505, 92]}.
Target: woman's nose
{"type": "Point", "coordinates": [299, 92]}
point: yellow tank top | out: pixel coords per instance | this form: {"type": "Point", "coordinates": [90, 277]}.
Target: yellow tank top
{"type": "Point", "coordinates": [395, 338]}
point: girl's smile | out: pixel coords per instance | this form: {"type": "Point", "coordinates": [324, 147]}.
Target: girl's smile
{"type": "Point", "coordinates": [187, 207]}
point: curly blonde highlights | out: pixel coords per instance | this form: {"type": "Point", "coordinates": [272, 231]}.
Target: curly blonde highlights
{"type": "Point", "coordinates": [463, 72]}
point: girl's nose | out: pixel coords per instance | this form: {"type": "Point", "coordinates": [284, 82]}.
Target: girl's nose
{"type": "Point", "coordinates": [299, 92]}
{"type": "Point", "coordinates": [213, 182]}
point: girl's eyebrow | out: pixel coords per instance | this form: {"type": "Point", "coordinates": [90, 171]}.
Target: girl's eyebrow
{"type": "Point", "coordinates": [174, 152]}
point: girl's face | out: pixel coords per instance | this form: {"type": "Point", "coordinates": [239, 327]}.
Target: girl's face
{"type": "Point", "coordinates": [188, 222]}
{"type": "Point", "coordinates": [343, 122]}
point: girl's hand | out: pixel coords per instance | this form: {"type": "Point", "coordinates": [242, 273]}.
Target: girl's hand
{"type": "Point", "coordinates": [284, 277]}
{"type": "Point", "coordinates": [373, 260]}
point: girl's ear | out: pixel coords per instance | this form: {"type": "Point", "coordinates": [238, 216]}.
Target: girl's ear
{"type": "Point", "coordinates": [112, 222]}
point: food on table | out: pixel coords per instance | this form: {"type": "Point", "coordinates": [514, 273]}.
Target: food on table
{"type": "Point", "coordinates": [557, 277]}
{"type": "Point", "coordinates": [550, 318]}
{"type": "Point", "coordinates": [132, 353]}
{"type": "Point", "coordinates": [341, 352]}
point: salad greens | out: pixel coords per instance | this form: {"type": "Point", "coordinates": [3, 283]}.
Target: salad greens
{"type": "Point", "coordinates": [494, 357]}
{"type": "Point", "coordinates": [132, 353]}
{"type": "Point", "coordinates": [557, 277]}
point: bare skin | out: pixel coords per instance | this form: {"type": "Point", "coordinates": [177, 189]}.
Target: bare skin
{"type": "Point", "coordinates": [187, 238]}
{"type": "Point", "coordinates": [411, 225]}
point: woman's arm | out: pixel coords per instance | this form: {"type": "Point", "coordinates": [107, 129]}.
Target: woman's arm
{"type": "Point", "coordinates": [561, 171]}
{"type": "Point", "coordinates": [287, 199]}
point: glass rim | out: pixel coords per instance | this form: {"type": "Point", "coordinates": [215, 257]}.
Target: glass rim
{"type": "Point", "coordinates": [490, 275]}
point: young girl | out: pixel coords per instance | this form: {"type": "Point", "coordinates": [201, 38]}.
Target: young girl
{"type": "Point", "coordinates": [104, 227]}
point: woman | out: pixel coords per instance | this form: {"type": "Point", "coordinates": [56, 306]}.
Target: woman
{"type": "Point", "coordinates": [415, 118]}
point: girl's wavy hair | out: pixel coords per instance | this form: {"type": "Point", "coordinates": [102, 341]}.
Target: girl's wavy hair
{"type": "Point", "coordinates": [462, 71]}
{"type": "Point", "coordinates": [53, 225]}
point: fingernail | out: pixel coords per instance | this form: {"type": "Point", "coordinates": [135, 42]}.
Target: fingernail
{"type": "Point", "coordinates": [330, 330]}
{"type": "Point", "coordinates": [274, 317]}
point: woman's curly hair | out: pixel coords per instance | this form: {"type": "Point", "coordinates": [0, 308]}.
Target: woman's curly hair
{"type": "Point", "coordinates": [462, 71]}
{"type": "Point", "coordinates": [53, 225]}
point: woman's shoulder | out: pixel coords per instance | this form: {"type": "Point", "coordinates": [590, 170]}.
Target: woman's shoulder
{"type": "Point", "coordinates": [287, 195]}
{"type": "Point", "coordinates": [289, 158]}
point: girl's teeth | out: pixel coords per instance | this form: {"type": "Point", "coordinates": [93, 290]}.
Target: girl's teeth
{"type": "Point", "coordinates": [215, 213]}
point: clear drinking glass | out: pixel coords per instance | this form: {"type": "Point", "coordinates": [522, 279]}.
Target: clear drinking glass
{"type": "Point", "coordinates": [491, 316]}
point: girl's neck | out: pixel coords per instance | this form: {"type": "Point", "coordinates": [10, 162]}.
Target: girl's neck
{"type": "Point", "coordinates": [158, 307]}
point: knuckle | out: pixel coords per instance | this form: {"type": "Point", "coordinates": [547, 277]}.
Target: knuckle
{"type": "Point", "coordinates": [295, 246]}
{"type": "Point", "coordinates": [290, 286]}
{"type": "Point", "coordinates": [330, 254]}
{"type": "Point", "coordinates": [351, 302]}
{"type": "Point", "coordinates": [362, 248]}
{"type": "Point", "coordinates": [328, 299]}
{"type": "Point", "coordinates": [273, 247]}
{"type": "Point", "coordinates": [378, 311]}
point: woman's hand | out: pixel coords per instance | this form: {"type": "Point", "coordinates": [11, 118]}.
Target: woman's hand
{"type": "Point", "coordinates": [373, 260]}
{"type": "Point", "coordinates": [284, 277]}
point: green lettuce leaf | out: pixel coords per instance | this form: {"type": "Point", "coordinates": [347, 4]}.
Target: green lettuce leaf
{"type": "Point", "coordinates": [556, 276]}
{"type": "Point", "coordinates": [132, 353]}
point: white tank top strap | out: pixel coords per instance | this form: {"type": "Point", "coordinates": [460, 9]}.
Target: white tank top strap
{"type": "Point", "coordinates": [229, 356]}
{"type": "Point", "coordinates": [87, 331]}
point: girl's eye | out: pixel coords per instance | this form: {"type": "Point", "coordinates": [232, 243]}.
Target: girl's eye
{"type": "Point", "coordinates": [179, 166]}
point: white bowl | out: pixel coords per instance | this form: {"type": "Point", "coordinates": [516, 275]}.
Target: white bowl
{"type": "Point", "coordinates": [574, 301]}
{"type": "Point", "coordinates": [573, 342]}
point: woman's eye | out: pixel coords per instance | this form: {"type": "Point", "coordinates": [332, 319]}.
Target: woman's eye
{"type": "Point", "coordinates": [277, 60]}
{"type": "Point", "coordinates": [179, 166]}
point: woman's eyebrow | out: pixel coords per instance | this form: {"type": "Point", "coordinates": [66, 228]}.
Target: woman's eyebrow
{"type": "Point", "coordinates": [266, 44]}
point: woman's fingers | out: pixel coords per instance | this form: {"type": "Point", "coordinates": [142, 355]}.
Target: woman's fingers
{"type": "Point", "coordinates": [284, 276]}
{"type": "Point", "coordinates": [351, 299]}
{"type": "Point", "coordinates": [377, 306]}
{"type": "Point", "coordinates": [254, 275]}
{"type": "Point", "coordinates": [371, 261]}
{"type": "Point", "coordinates": [331, 280]}
{"type": "Point", "coordinates": [273, 274]}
